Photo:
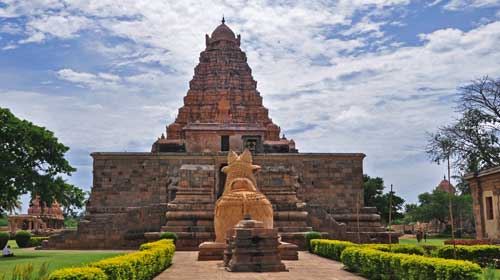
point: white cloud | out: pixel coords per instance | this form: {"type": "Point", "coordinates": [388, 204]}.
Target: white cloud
{"type": "Point", "coordinates": [9, 47]}
{"type": "Point", "coordinates": [10, 28]}
{"type": "Point", "coordinates": [61, 26]}
{"type": "Point", "coordinates": [464, 4]}
{"type": "Point", "coordinates": [93, 81]}
{"type": "Point", "coordinates": [345, 96]}
{"type": "Point", "coordinates": [35, 37]}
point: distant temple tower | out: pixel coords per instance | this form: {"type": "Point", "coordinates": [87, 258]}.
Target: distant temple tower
{"type": "Point", "coordinates": [223, 109]}
{"type": "Point", "coordinates": [446, 186]}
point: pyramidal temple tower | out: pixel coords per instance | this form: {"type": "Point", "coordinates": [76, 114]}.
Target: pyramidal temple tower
{"type": "Point", "coordinates": [175, 186]}
{"type": "Point", "coordinates": [223, 109]}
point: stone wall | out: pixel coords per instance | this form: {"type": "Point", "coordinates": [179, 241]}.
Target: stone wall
{"type": "Point", "coordinates": [130, 191]}
{"type": "Point", "coordinates": [483, 185]}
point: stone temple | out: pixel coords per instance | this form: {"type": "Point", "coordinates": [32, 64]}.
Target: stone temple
{"type": "Point", "coordinates": [174, 187]}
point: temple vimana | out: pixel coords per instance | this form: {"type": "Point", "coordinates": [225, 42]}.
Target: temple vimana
{"type": "Point", "coordinates": [175, 186]}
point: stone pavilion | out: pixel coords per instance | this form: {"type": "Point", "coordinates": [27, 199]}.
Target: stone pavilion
{"type": "Point", "coordinates": [174, 187]}
{"type": "Point", "coordinates": [39, 219]}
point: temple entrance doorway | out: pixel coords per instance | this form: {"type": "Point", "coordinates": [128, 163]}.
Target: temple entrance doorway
{"type": "Point", "coordinates": [222, 181]}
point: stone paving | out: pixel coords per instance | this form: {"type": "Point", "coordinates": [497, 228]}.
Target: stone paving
{"type": "Point", "coordinates": [185, 266]}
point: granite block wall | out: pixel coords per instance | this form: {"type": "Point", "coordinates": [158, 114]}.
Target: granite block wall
{"type": "Point", "coordinates": [130, 191]}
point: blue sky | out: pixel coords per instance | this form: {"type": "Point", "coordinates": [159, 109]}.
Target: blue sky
{"type": "Point", "coordinates": [338, 76]}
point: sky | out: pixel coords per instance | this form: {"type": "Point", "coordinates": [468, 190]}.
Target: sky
{"type": "Point", "coordinates": [369, 76]}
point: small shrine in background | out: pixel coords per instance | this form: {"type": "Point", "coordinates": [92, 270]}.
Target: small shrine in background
{"type": "Point", "coordinates": [38, 218]}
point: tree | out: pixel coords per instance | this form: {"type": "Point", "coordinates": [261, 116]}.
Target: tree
{"type": "Point", "coordinates": [434, 206]}
{"type": "Point", "coordinates": [32, 161]}
{"type": "Point", "coordinates": [374, 196]}
{"type": "Point", "coordinates": [372, 188]}
{"type": "Point", "coordinates": [472, 142]}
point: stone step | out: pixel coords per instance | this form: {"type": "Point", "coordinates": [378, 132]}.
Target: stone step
{"type": "Point", "coordinates": [290, 224]}
{"type": "Point", "coordinates": [294, 229]}
{"type": "Point", "coordinates": [196, 235]}
{"type": "Point", "coordinates": [364, 229]}
{"type": "Point", "coordinates": [290, 215]}
{"type": "Point", "coordinates": [191, 207]}
{"type": "Point", "coordinates": [209, 223]}
{"type": "Point", "coordinates": [187, 228]}
{"type": "Point", "coordinates": [190, 215]}
{"type": "Point", "coordinates": [294, 234]}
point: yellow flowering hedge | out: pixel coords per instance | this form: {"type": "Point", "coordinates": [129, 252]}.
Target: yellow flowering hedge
{"type": "Point", "coordinates": [78, 273]}
{"type": "Point", "coordinates": [151, 259]}
{"type": "Point", "coordinates": [332, 249]}
{"type": "Point", "coordinates": [376, 264]}
{"type": "Point", "coordinates": [481, 254]}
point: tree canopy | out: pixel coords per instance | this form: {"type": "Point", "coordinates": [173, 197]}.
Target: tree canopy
{"type": "Point", "coordinates": [374, 196]}
{"type": "Point", "coordinates": [32, 161]}
{"type": "Point", "coordinates": [472, 142]}
{"type": "Point", "coordinates": [434, 206]}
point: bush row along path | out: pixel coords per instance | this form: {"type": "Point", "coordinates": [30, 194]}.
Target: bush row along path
{"type": "Point", "coordinates": [309, 266]}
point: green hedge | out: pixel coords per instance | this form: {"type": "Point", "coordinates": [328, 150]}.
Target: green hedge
{"type": "Point", "coordinates": [399, 248]}
{"type": "Point", "coordinates": [4, 238]}
{"type": "Point", "coordinates": [145, 264]}
{"type": "Point", "coordinates": [169, 235]}
{"type": "Point", "coordinates": [23, 238]}
{"type": "Point", "coordinates": [310, 236]}
{"type": "Point", "coordinates": [330, 248]}
{"type": "Point", "coordinates": [481, 254]}
{"type": "Point", "coordinates": [78, 273]}
{"type": "Point", "coordinates": [376, 264]}
{"type": "Point", "coordinates": [36, 241]}
{"type": "Point", "coordinates": [151, 259]}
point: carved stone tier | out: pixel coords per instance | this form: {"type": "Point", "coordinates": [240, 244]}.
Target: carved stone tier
{"type": "Point", "coordinates": [253, 248]}
{"type": "Point", "coordinates": [369, 230]}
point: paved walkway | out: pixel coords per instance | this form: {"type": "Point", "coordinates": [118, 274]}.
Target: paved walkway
{"type": "Point", "coordinates": [185, 266]}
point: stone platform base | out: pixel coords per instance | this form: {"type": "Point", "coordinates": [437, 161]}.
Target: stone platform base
{"type": "Point", "coordinates": [253, 248]}
{"type": "Point", "coordinates": [211, 251]}
{"type": "Point", "coordinates": [214, 251]}
{"type": "Point", "coordinates": [288, 251]}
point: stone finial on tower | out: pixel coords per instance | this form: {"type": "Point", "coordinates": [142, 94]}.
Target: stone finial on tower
{"type": "Point", "coordinates": [223, 20]}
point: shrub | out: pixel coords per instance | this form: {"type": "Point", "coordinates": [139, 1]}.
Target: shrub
{"type": "Point", "coordinates": [429, 249]}
{"type": "Point", "coordinates": [36, 241]}
{"type": "Point", "coordinates": [169, 235]}
{"type": "Point", "coordinates": [399, 248]}
{"type": "Point", "coordinates": [152, 259]}
{"type": "Point", "coordinates": [78, 273]}
{"type": "Point", "coordinates": [4, 238]}
{"type": "Point", "coordinates": [376, 264]}
{"type": "Point", "coordinates": [310, 236]}
{"type": "Point", "coordinates": [469, 242]}
{"type": "Point", "coordinates": [490, 273]}
{"type": "Point", "coordinates": [23, 238]}
{"type": "Point", "coordinates": [28, 272]}
{"type": "Point", "coordinates": [3, 221]}
{"type": "Point", "coordinates": [481, 254]}
{"type": "Point", "coordinates": [330, 248]}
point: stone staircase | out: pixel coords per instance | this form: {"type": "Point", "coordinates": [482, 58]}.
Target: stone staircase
{"type": "Point", "coordinates": [191, 214]}
{"type": "Point", "coordinates": [279, 184]}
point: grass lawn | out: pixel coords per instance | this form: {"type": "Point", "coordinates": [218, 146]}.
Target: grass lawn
{"type": "Point", "coordinates": [430, 241]}
{"type": "Point", "coordinates": [54, 258]}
